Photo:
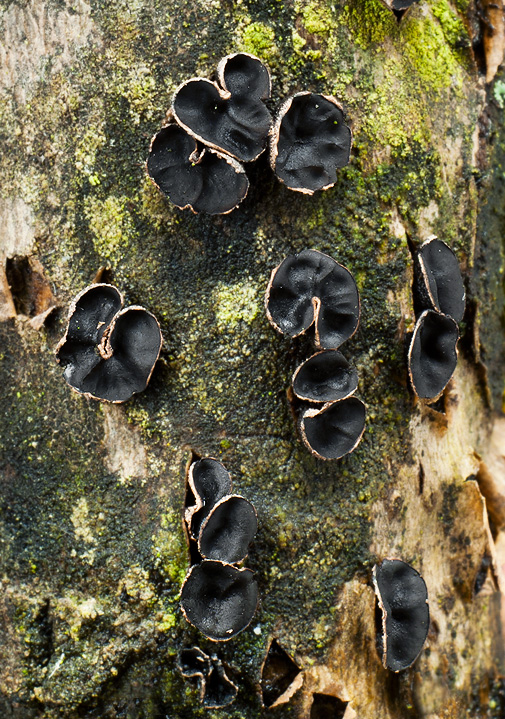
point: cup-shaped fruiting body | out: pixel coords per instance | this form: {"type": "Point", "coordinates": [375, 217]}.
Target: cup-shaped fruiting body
{"type": "Point", "coordinates": [228, 530]}
{"type": "Point", "coordinates": [219, 599]}
{"type": "Point", "coordinates": [432, 354]}
{"type": "Point", "coordinates": [108, 353]}
{"type": "Point", "coordinates": [230, 117]}
{"type": "Point", "coordinates": [309, 142]}
{"type": "Point", "coordinates": [209, 481]}
{"type": "Point", "coordinates": [193, 662]}
{"type": "Point", "coordinates": [403, 599]}
{"type": "Point", "coordinates": [399, 6]}
{"type": "Point", "coordinates": [192, 177]}
{"type": "Point", "coordinates": [334, 430]}
{"type": "Point", "coordinates": [216, 689]}
{"type": "Point", "coordinates": [438, 282]}
{"type": "Point", "coordinates": [325, 377]}
{"type": "Point", "coordinates": [312, 288]}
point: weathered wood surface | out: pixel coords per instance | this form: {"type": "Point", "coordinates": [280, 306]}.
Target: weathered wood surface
{"type": "Point", "coordinates": [91, 542]}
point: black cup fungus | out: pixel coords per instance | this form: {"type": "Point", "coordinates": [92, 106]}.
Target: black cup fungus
{"type": "Point", "coordinates": [192, 177]}
{"type": "Point", "coordinates": [209, 482]}
{"type": "Point", "coordinates": [216, 689]}
{"type": "Point", "coordinates": [193, 662]}
{"type": "Point", "coordinates": [433, 355]}
{"type": "Point", "coordinates": [228, 530]}
{"type": "Point", "coordinates": [325, 377]}
{"type": "Point", "coordinates": [219, 599]}
{"type": "Point", "coordinates": [231, 118]}
{"type": "Point", "coordinates": [309, 142]}
{"type": "Point", "coordinates": [438, 283]}
{"type": "Point", "coordinates": [312, 288]}
{"type": "Point", "coordinates": [399, 6]}
{"type": "Point", "coordinates": [403, 599]}
{"type": "Point", "coordinates": [108, 353]}
{"type": "Point", "coordinates": [220, 691]}
{"type": "Point", "coordinates": [334, 430]}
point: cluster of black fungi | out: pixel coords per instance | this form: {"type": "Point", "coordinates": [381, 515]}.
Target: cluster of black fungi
{"type": "Point", "coordinates": [212, 128]}
{"type": "Point", "coordinates": [216, 689]}
{"type": "Point", "coordinates": [403, 600]}
{"type": "Point", "coordinates": [313, 291]}
{"type": "Point", "coordinates": [218, 597]}
{"type": "Point", "coordinates": [108, 351]}
{"type": "Point", "coordinates": [439, 304]}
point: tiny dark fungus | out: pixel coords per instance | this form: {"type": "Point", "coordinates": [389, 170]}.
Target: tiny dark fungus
{"type": "Point", "coordinates": [334, 430]}
{"type": "Point", "coordinates": [209, 481]}
{"type": "Point", "coordinates": [108, 353]}
{"type": "Point", "coordinates": [193, 662]}
{"type": "Point", "coordinates": [399, 5]}
{"type": "Point", "coordinates": [231, 116]}
{"type": "Point", "coordinates": [309, 142]}
{"type": "Point", "coordinates": [312, 288]}
{"type": "Point", "coordinates": [403, 600]}
{"type": "Point", "coordinates": [432, 354]}
{"type": "Point", "coordinates": [228, 530]}
{"type": "Point", "coordinates": [220, 690]}
{"type": "Point", "coordinates": [192, 177]}
{"type": "Point", "coordinates": [216, 689]}
{"type": "Point", "coordinates": [325, 377]}
{"type": "Point", "coordinates": [219, 599]}
{"type": "Point", "coordinates": [438, 282]}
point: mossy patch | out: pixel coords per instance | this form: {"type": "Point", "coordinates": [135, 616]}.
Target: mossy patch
{"type": "Point", "coordinates": [316, 17]}
{"type": "Point", "coordinates": [111, 224]}
{"type": "Point", "coordinates": [236, 303]}
{"type": "Point", "coordinates": [259, 39]}
{"type": "Point", "coordinates": [369, 22]}
{"type": "Point", "coordinates": [423, 41]}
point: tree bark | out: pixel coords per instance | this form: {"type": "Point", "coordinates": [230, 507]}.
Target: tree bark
{"type": "Point", "coordinates": [93, 551]}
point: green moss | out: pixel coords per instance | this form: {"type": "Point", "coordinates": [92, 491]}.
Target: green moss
{"type": "Point", "coordinates": [236, 303]}
{"type": "Point", "coordinates": [369, 22]}
{"type": "Point", "coordinates": [259, 39]}
{"type": "Point", "coordinates": [453, 28]}
{"type": "Point", "coordinates": [422, 40]}
{"type": "Point", "coordinates": [316, 17]}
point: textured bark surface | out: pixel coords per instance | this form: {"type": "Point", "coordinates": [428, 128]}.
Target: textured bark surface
{"type": "Point", "coordinates": [91, 542]}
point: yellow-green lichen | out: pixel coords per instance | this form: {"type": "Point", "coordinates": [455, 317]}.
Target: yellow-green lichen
{"type": "Point", "coordinates": [236, 303]}
{"type": "Point", "coordinates": [423, 42]}
{"type": "Point", "coordinates": [396, 114]}
{"type": "Point", "coordinates": [453, 28]}
{"type": "Point", "coordinates": [316, 17]}
{"type": "Point", "coordinates": [369, 22]}
{"type": "Point", "coordinates": [259, 39]}
{"type": "Point", "coordinates": [111, 224]}
{"type": "Point", "coordinates": [86, 152]}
